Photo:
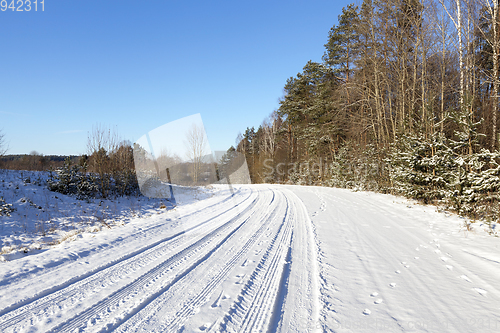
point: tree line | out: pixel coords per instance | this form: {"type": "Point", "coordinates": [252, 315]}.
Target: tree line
{"type": "Point", "coordinates": [107, 169]}
{"type": "Point", "coordinates": [34, 161]}
{"type": "Point", "coordinates": [405, 100]}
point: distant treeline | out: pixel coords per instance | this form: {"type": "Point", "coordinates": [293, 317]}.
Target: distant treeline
{"type": "Point", "coordinates": [35, 161]}
{"type": "Point", "coordinates": [108, 169]}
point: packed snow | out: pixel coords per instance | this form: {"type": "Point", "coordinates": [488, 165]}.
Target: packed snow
{"type": "Point", "coordinates": [253, 258]}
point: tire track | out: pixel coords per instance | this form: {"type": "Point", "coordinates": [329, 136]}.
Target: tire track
{"type": "Point", "coordinates": [52, 301]}
{"type": "Point", "coordinates": [212, 279]}
{"type": "Point", "coordinates": [297, 307]}
{"type": "Point", "coordinates": [253, 310]}
{"type": "Point", "coordinates": [145, 233]}
{"type": "Point", "coordinates": [116, 308]}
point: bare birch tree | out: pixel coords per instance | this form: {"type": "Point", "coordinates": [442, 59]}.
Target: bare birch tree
{"type": "Point", "coordinates": [3, 144]}
{"type": "Point", "coordinates": [457, 19]}
{"type": "Point", "coordinates": [441, 22]}
{"type": "Point", "coordinates": [491, 36]}
{"type": "Point", "coordinates": [101, 142]}
{"type": "Point", "coordinates": [197, 148]}
{"type": "Point", "coordinates": [270, 131]}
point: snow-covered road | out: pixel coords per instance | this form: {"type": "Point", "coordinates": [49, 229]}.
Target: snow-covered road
{"type": "Point", "coordinates": [269, 258]}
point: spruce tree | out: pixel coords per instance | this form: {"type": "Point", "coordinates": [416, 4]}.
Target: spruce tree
{"type": "Point", "coordinates": [466, 164]}
{"type": "Point", "coordinates": [420, 166]}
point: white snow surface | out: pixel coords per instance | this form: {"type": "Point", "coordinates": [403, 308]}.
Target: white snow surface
{"type": "Point", "coordinates": [264, 258]}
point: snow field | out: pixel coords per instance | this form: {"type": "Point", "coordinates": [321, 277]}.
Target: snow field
{"type": "Point", "coordinates": [42, 218]}
{"type": "Point", "coordinates": [387, 267]}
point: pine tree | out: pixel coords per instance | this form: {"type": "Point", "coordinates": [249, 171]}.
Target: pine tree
{"type": "Point", "coordinates": [226, 164]}
{"type": "Point", "coordinates": [342, 45]}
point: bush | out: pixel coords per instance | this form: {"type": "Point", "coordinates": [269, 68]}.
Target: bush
{"type": "Point", "coordinates": [75, 180]}
{"type": "Point", "coordinates": [5, 208]}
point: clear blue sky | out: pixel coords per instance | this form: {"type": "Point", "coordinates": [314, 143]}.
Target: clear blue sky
{"type": "Point", "coordinates": [136, 65]}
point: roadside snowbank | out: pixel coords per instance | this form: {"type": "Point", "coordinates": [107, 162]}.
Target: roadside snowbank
{"type": "Point", "coordinates": [42, 218]}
